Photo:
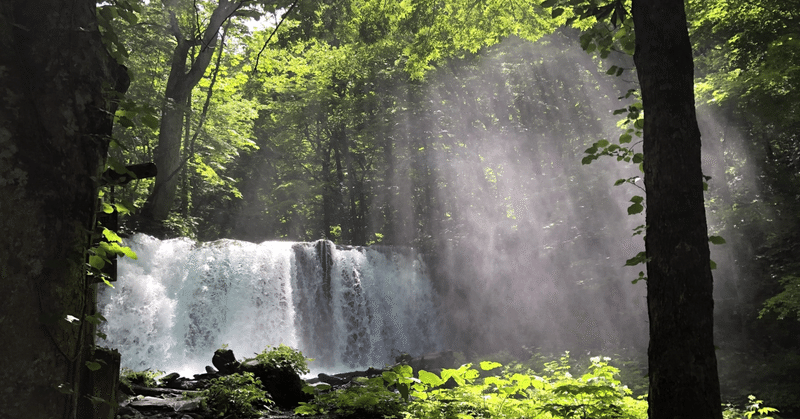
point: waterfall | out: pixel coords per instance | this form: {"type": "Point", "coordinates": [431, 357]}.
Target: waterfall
{"type": "Point", "coordinates": [346, 307]}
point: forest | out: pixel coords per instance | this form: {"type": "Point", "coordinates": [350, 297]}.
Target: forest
{"type": "Point", "coordinates": [546, 163]}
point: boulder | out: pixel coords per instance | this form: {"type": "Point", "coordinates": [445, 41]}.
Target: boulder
{"type": "Point", "coordinates": [282, 383]}
{"type": "Point", "coordinates": [171, 404]}
{"type": "Point", "coordinates": [225, 361]}
{"type": "Point", "coordinates": [433, 362]}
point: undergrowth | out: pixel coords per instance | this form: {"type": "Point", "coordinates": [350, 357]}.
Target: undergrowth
{"type": "Point", "coordinates": [556, 389]}
{"type": "Point", "coordinates": [504, 393]}
{"type": "Point", "coordinates": [239, 395]}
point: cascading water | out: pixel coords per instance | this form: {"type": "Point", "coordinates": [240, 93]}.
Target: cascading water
{"type": "Point", "coordinates": [346, 307]}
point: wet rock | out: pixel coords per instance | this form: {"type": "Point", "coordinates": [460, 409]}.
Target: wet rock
{"type": "Point", "coordinates": [225, 361]}
{"type": "Point", "coordinates": [170, 404]}
{"type": "Point", "coordinates": [170, 377]}
{"type": "Point", "coordinates": [331, 379]}
{"type": "Point", "coordinates": [433, 362]}
{"type": "Point", "coordinates": [283, 384]}
{"type": "Point", "coordinates": [186, 384]}
{"type": "Point", "coordinates": [158, 391]}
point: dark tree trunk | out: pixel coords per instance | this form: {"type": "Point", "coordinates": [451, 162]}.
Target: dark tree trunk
{"type": "Point", "coordinates": [56, 78]}
{"type": "Point", "coordinates": [683, 366]}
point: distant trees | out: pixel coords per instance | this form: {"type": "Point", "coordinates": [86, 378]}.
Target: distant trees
{"type": "Point", "coordinates": [59, 87]}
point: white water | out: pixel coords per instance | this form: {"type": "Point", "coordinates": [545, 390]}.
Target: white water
{"type": "Point", "coordinates": [178, 302]}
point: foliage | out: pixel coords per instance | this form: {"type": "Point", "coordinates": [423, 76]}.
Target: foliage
{"type": "Point", "coordinates": [146, 378]}
{"type": "Point", "coordinates": [362, 398]}
{"type": "Point", "coordinates": [787, 302]}
{"type": "Point", "coordinates": [236, 394]}
{"type": "Point", "coordinates": [754, 409]}
{"type": "Point", "coordinates": [283, 356]}
{"type": "Point", "coordinates": [461, 393]}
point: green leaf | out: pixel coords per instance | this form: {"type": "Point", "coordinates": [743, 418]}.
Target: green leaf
{"type": "Point", "coordinates": [713, 265]}
{"type": "Point", "coordinates": [637, 199]}
{"type": "Point", "coordinates": [602, 143]}
{"type": "Point", "coordinates": [93, 366]}
{"type": "Point", "coordinates": [619, 182]}
{"type": "Point", "coordinates": [150, 121]}
{"type": "Point", "coordinates": [125, 122]}
{"type": "Point", "coordinates": [640, 257]}
{"type": "Point", "coordinates": [716, 240]}
{"type": "Point", "coordinates": [108, 209]}
{"type": "Point", "coordinates": [97, 262]}
{"type": "Point", "coordinates": [127, 251]}
{"type": "Point", "coordinates": [625, 138]}
{"type": "Point", "coordinates": [65, 389]}
{"type": "Point", "coordinates": [111, 236]}
{"type": "Point", "coordinates": [490, 365]}
{"type": "Point", "coordinates": [116, 165]}
{"type": "Point", "coordinates": [95, 319]}
{"type": "Point", "coordinates": [635, 209]}
{"type": "Point", "coordinates": [429, 378]}
{"type": "Point", "coordinates": [403, 389]}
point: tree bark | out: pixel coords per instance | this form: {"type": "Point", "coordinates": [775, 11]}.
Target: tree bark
{"type": "Point", "coordinates": [683, 366]}
{"type": "Point", "coordinates": [56, 77]}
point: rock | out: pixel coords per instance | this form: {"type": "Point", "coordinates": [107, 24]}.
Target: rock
{"type": "Point", "coordinates": [206, 376]}
{"type": "Point", "coordinates": [186, 384]}
{"type": "Point", "coordinates": [170, 377]}
{"type": "Point", "coordinates": [170, 404]}
{"type": "Point", "coordinates": [331, 379]}
{"type": "Point", "coordinates": [282, 383]}
{"type": "Point", "coordinates": [225, 361]}
{"type": "Point", "coordinates": [433, 362]}
{"type": "Point", "coordinates": [148, 391]}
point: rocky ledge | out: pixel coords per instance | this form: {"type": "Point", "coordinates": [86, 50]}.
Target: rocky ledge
{"type": "Point", "coordinates": [174, 398]}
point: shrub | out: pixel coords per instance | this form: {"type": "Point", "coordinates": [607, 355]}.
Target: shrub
{"type": "Point", "coordinates": [364, 398]}
{"type": "Point", "coordinates": [284, 356]}
{"type": "Point", "coordinates": [236, 394]}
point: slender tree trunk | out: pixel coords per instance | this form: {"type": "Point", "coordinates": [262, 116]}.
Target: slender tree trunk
{"type": "Point", "coordinates": [56, 78]}
{"type": "Point", "coordinates": [683, 366]}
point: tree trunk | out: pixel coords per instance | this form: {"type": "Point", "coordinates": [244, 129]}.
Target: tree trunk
{"type": "Point", "coordinates": [179, 88]}
{"type": "Point", "coordinates": [683, 366]}
{"type": "Point", "coordinates": [55, 126]}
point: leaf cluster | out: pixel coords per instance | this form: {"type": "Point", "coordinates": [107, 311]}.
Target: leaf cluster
{"type": "Point", "coordinates": [283, 356]}
{"type": "Point", "coordinates": [237, 394]}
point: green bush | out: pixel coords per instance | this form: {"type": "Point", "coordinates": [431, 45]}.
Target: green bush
{"type": "Point", "coordinates": [284, 356]}
{"type": "Point", "coordinates": [236, 394]}
{"type": "Point", "coordinates": [364, 398]}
